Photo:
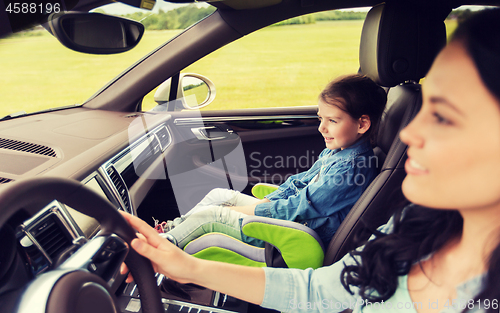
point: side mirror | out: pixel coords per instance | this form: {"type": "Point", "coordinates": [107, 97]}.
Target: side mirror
{"type": "Point", "coordinates": [193, 92]}
{"type": "Point", "coordinates": [96, 33]}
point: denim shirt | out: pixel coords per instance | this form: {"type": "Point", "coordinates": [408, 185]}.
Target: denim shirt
{"type": "Point", "coordinates": [323, 204]}
{"type": "Point", "coordinates": [321, 290]}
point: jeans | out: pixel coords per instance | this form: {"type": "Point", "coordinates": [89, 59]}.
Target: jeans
{"type": "Point", "coordinates": [214, 214]}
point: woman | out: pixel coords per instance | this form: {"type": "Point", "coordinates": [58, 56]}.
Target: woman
{"type": "Point", "coordinates": [445, 257]}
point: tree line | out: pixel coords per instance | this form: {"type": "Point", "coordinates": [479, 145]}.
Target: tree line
{"type": "Point", "coordinates": [185, 16]}
{"type": "Point", "coordinates": [324, 16]}
{"type": "Point", "coordinates": [179, 18]}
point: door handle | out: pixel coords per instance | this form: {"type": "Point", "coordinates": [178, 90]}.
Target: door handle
{"type": "Point", "coordinates": [210, 133]}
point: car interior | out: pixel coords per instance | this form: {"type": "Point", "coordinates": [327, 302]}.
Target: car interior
{"type": "Point", "coordinates": [403, 103]}
{"type": "Point", "coordinates": [65, 173]}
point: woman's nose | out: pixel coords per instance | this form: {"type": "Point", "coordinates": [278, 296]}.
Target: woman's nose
{"type": "Point", "coordinates": [410, 135]}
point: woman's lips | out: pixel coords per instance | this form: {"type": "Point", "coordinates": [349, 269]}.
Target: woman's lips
{"type": "Point", "coordinates": [414, 168]}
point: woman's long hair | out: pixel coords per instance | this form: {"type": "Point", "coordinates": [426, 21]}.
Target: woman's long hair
{"type": "Point", "coordinates": [417, 232]}
{"type": "Point", "coordinates": [420, 231]}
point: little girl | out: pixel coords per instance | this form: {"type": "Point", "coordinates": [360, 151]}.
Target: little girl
{"type": "Point", "coordinates": [349, 110]}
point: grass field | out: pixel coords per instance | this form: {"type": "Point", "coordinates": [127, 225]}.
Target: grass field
{"type": "Point", "coordinates": [276, 66]}
{"type": "Point", "coordinates": [39, 73]}
{"type": "Point", "coordinates": [282, 66]}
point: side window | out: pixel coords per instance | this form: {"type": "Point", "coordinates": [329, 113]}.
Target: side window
{"type": "Point", "coordinates": [288, 64]}
{"type": "Point", "coordinates": [281, 65]}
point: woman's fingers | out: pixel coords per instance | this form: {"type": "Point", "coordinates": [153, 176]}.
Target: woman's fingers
{"type": "Point", "coordinates": [157, 254]}
{"type": "Point", "coordinates": [123, 269]}
{"type": "Point", "coordinates": [144, 249]}
{"type": "Point", "coordinates": [144, 229]}
{"type": "Point", "coordinates": [149, 243]}
{"type": "Point", "coordinates": [165, 257]}
{"type": "Point", "coordinates": [137, 224]}
{"type": "Point", "coordinates": [129, 279]}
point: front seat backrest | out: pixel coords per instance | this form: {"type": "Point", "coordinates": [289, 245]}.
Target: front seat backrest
{"type": "Point", "coordinates": [398, 44]}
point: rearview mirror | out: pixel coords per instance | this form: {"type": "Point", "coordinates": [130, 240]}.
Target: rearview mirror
{"type": "Point", "coordinates": [96, 33]}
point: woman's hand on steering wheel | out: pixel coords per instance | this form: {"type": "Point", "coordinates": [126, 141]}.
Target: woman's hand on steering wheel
{"type": "Point", "coordinates": [166, 258]}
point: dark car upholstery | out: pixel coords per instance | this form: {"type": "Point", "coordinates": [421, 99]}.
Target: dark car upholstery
{"type": "Point", "coordinates": [396, 51]}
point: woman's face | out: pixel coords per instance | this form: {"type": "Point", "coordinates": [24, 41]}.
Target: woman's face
{"type": "Point", "coordinates": [454, 141]}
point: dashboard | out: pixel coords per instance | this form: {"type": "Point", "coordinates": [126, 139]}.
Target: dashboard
{"type": "Point", "coordinates": [51, 235]}
{"type": "Point", "coordinates": [118, 156]}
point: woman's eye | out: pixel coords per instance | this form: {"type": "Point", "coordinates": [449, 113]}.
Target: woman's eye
{"type": "Point", "coordinates": [440, 119]}
{"type": "Point", "coordinates": [333, 121]}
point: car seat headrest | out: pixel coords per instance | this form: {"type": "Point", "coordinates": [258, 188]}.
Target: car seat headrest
{"type": "Point", "coordinates": [399, 41]}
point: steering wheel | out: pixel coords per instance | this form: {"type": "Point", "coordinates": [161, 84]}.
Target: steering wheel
{"type": "Point", "coordinates": [76, 286]}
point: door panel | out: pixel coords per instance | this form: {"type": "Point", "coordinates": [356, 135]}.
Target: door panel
{"type": "Point", "coordinates": [250, 146]}
{"type": "Point", "coordinates": [284, 148]}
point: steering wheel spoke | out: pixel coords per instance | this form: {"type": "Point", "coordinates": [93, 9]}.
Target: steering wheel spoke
{"type": "Point", "coordinates": [101, 256]}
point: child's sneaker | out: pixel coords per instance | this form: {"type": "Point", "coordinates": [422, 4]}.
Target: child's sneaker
{"type": "Point", "coordinates": [163, 227]}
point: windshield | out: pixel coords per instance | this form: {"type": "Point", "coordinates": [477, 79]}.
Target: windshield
{"type": "Point", "coordinates": [39, 73]}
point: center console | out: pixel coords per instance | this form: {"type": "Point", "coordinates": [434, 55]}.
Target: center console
{"type": "Point", "coordinates": [178, 297]}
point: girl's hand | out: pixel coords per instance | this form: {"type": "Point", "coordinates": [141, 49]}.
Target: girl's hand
{"type": "Point", "coordinates": [165, 257]}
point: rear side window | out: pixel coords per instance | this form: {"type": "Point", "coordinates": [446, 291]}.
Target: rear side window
{"type": "Point", "coordinates": [282, 65]}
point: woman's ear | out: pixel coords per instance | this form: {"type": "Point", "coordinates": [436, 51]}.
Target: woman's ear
{"type": "Point", "coordinates": [364, 124]}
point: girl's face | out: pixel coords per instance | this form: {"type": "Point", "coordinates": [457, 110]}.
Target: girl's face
{"type": "Point", "coordinates": [454, 141]}
{"type": "Point", "coordinates": [338, 128]}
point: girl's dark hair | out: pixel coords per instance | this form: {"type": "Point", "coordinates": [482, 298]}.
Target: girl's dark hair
{"type": "Point", "coordinates": [359, 96]}
{"type": "Point", "coordinates": [420, 231]}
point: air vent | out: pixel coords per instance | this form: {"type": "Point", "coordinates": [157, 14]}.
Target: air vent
{"type": "Point", "coordinates": [164, 138]}
{"type": "Point", "coordinates": [120, 187]}
{"type": "Point", "coordinates": [4, 180]}
{"type": "Point", "coordinates": [26, 147]}
{"type": "Point", "coordinates": [154, 145]}
{"type": "Point", "coordinates": [129, 175]}
{"type": "Point", "coordinates": [37, 259]}
{"type": "Point", "coordinates": [51, 236]}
